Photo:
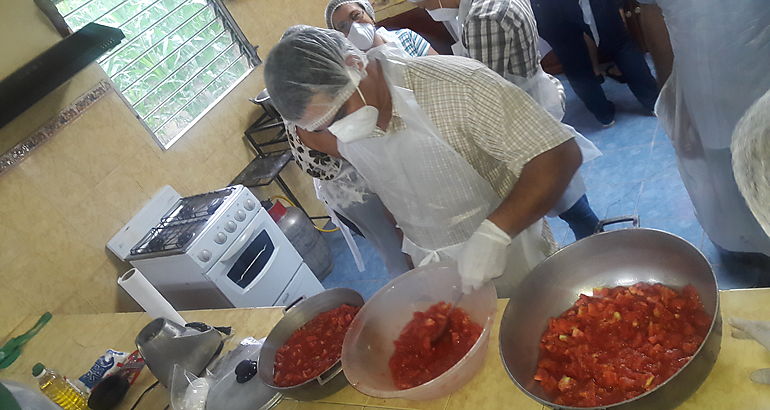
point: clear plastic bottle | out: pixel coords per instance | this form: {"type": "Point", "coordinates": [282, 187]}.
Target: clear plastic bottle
{"type": "Point", "coordinates": [57, 388]}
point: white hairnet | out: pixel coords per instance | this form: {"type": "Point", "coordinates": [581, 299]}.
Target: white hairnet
{"type": "Point", "coordinates": [751, 159]}
{"type": "Point", "coordinates": [310, 74]}
{"type": "Point", "coordinates": [335, 4]}
{"type": "Point", "coordinates": [295, 29]}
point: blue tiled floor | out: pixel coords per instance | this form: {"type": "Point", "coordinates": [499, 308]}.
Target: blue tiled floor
{"type": "Point", "coordinates": [636, 175]}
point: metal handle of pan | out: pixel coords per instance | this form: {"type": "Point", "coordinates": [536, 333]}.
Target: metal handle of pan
{"type": "Point", "coordinates": [326, 376]}
{"type": "Point", "coordinates": [634, 219]}
{"type": "Point", "coordinates": [292, 304]}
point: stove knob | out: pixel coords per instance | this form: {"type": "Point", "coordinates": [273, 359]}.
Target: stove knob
{"type": "Point", "coordinates": [230, 226]}
{"type": "Point", "coordinates": [240, 215]}
{"type": "Point", "coordinates": [220, 238]}
{"type": "Point", "coordinates": [249, 205]}
{"type": "Point", "coordinates": [204, 255]}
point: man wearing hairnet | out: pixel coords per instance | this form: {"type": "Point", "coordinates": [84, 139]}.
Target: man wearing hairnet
{"type": "Point", "coordinates": [502, 34]}
{"type": "Point", "coordinates": [345, 193]}
{"type": "Point", "coordinates": [355, 19]}
{"type": "Point", "coordinates": [467, 163]}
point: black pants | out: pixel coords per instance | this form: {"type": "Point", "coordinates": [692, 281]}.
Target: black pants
{"type": "Point", "coordinates": [561, 24]}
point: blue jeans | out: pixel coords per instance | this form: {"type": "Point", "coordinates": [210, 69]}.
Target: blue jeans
{"type": "Point", "coordinates": [560, 23]}
{"type": "Point", "coordinates": [581, 218]}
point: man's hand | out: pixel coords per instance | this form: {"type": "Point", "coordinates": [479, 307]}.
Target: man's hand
{"type": "Point", "coordinates": [483, 256]}
{"type": "Point", "coordinates": [542, 182]}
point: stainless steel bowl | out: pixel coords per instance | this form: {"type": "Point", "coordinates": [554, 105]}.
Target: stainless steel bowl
{"type": "Point", "coordinates": [296, 315]}
{"type": "Point", "coordinates": [616, 258]}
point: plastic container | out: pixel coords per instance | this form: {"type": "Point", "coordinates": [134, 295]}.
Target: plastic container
{"type": "Point", "coordinates": [368, 344]}
{"type": "Point", "coordinates": [57, 388]}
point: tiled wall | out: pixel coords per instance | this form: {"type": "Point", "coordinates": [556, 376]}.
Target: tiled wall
{"type": "Point", "coordinates": [59, 207]}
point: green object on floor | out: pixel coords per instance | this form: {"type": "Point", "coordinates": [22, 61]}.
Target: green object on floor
{"type": "Point", "coordinates": [12, 349]}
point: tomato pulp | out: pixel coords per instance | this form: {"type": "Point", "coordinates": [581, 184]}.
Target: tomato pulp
{"type": "Point", "coordinates": [619, 343]}
{"type": "Point", "coordinates": [418, 358]}
{"type": "Point", "coordinates": [313, 348]}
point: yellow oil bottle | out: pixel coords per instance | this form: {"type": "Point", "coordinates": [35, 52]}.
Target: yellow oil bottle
{"type": "Point", "coordinates": [57, 388]}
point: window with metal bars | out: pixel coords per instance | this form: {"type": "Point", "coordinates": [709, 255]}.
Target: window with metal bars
{"type": "Point", "coordinates": [179, 58]}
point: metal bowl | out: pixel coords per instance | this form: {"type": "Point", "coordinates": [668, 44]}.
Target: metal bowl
{"type": "Point", "coordinates": [295, 316]}
{"type": "Point", "coordinates": [616, 258]}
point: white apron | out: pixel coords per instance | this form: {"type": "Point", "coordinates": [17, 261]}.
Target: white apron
{"type": "Point", "coordinates": [721, 68]}
{"type": "Point", "coordinates": [543, 89]}
{"type": "Point", "coordinates": [349, 195]}
{"type": "Point", "coordinates": [436, 196]}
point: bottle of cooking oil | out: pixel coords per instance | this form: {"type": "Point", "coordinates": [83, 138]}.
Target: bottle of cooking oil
{"type": "Point", "coordinates": [57, 388]}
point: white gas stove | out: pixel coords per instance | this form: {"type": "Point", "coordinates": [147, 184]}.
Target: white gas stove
{"type": "Point", "coordinates": [218, 249]}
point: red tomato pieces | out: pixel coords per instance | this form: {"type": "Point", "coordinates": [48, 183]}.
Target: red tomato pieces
{"type": "Point", "coordinates": [416, 359]}
{"type": "Point", "coordinates": [619, 343]}
{"type": "Point", "coordinates": [313, 348]}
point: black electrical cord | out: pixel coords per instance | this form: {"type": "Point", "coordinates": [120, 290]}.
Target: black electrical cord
{"type": "Point", "coordinates": [141, 396]}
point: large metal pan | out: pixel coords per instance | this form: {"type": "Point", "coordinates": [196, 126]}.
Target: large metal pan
{"type": "Point", "coordinates": [296, 315]}
{"type": "Point", "coordinates": [616, 258]}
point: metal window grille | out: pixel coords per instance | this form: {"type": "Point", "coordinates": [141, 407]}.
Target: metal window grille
{"type": "Point", "coordinates": [179, 58]}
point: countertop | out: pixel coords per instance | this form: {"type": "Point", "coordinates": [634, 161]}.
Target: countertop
{"type": "Point", "coordinates": [70, 344]}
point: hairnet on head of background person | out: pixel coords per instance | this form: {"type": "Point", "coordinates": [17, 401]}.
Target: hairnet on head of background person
{"type": "Point", "coordinates": [335, 4]}
{"type": "Point", "coordinates": [310, 74]}
{"type": "Point", "coordinates": [295, 29]}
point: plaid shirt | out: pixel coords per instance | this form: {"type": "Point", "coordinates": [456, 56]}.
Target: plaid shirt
{"type": "Point", "coordinates": [502, 34]}
{"type": "Point", "coordinates": [490, 122]}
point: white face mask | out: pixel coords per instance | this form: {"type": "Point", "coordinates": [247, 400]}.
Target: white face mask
{"type": "Point", "coordinates": [443, 14]}
{"type": "Point", "coordinates": [357, 125]}
{"type": "Point", "coordinates": [361, 35]}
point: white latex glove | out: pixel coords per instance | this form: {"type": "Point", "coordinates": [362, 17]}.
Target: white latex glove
{"type": "Point", "coordinates": [759, 331]}
{"type": "Point", "coordinates": [484, 256]}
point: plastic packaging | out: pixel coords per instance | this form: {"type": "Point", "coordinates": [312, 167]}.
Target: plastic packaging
{"type": "Point", "coordinates": [104, 366]}
{"type": "Point", "coordinates": [57, 388]}
{"type": "Point", "coordinates": [188, 392]}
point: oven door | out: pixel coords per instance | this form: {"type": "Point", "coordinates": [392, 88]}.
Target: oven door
{"type": "Point", "coordinates": [258, 266]}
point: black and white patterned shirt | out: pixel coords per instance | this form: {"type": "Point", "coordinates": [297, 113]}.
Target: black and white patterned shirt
{"type": "Point", "coordinates": [502, 34]}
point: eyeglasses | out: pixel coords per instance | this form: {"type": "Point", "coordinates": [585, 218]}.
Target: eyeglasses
{"type": "Point", "coordinates": [354, 17]}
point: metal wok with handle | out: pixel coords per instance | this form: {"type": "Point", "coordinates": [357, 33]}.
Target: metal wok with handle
{"type": "Point", "coordinates": [607, 259]}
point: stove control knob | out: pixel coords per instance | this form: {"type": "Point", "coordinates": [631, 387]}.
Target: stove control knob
{"type": "Point", "coordinates": [249, 205]}
{"type": "Point", "coordinates": [230, 226]}
{"type": "Point", "coordinates": [220, 238]}
{"type": "Point", "coordinates": [204, 255]}
{"type": "Point", "coordinates": [240, 215]}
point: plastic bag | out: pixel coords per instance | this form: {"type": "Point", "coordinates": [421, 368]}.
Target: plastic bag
{"type": "Point", "coordinates": [189, 392]}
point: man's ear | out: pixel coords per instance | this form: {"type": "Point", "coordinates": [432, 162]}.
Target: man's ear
{"type": "Point", "coordinates": [353, 61]}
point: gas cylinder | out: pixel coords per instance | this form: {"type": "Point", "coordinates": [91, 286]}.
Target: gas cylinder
{"type": "Point", "coordinates": [302, 234]}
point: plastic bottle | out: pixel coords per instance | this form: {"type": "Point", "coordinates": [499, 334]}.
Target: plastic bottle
{"type": "Point", "coordinates": [57, 388]}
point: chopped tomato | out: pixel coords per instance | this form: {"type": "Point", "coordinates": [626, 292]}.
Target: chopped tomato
{"type": "Point", "coordinates": [619, 343]}
{"type": "Point", "coordinates": [313, 348]}
{"type": "Point", "coordinates": [423, 352]}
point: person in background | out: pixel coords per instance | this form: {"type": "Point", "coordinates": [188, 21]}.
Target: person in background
{"type": "Point", "coordinates": [467, 163]}
{"type": "Point", "coordinates": [561, 23]}
{"type": "Point", "coordinates": [338, 184]}
{"type": "Point", "coordinates": [355, 19]}
{"type": "Point", "coordinates": [502, 34]}
{"type": "Point", "coordinates": [719, 70]}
